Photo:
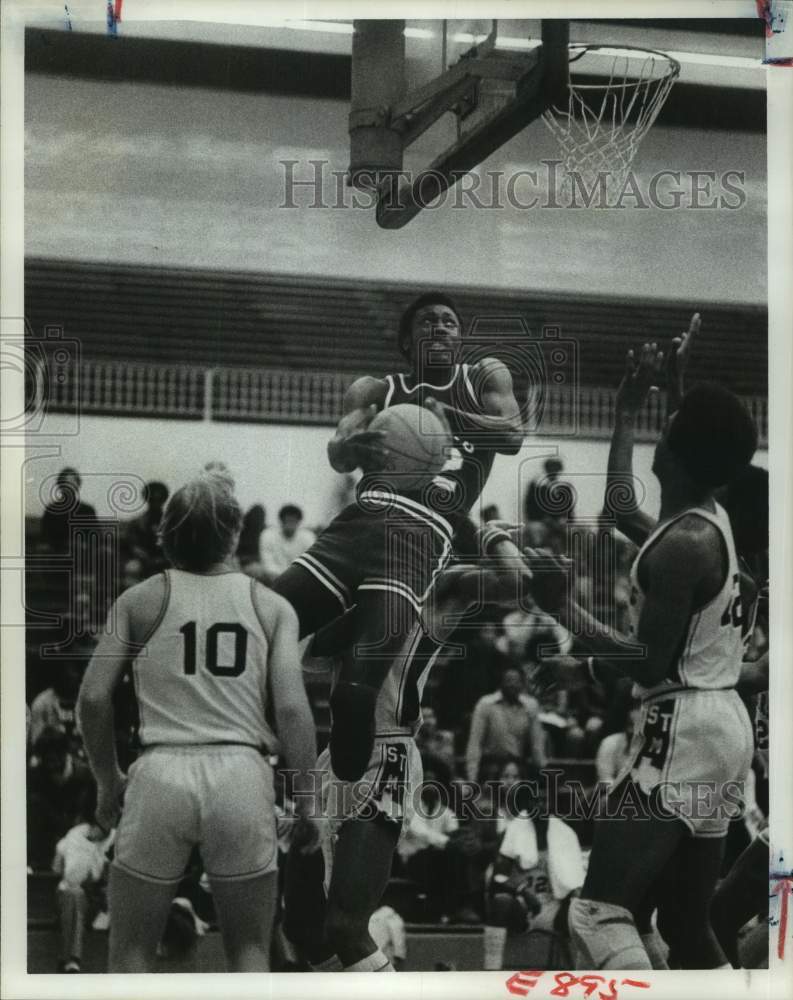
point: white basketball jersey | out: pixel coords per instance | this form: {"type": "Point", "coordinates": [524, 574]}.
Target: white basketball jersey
{"type": "Point", "coordinates": [712, 647]}
{"type": "Point", "coordinates": [202, 676]}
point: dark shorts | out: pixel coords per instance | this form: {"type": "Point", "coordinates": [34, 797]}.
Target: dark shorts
{"type": "Point", "coordinates": [383, 542]}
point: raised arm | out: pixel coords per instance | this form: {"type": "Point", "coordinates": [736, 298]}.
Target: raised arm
{"type": "Point", "coordinates": [677, 364]}
{"type": "Point", "coordinates": [353, 446]}
{"type": "Point", "coordinates": [684, 571]}
{"type": "Point", "coordinates": [620, 497]}
{"type": "Point", "coordinates": [500, 414]}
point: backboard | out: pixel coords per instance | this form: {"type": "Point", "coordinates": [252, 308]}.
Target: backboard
{"type": "Point", "coordinates": [412, 77]}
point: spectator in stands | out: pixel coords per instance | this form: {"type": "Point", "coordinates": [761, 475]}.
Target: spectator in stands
{"type": "Point", "coordinates": [53, 708]}
{"type": "Point", "coordinates": [548, 499]}
{"type": "Point", "coordinates": [282, 545]}
{"type": "Point", "coordinates": [462, 681]}
{"type": "Point", "coordinates": [131, 574]}
{"type": "Point", "coordinates": [425, 850]}
{"type": "Point", "coordinates": [538, 864]}
{"type": "Point", "coordinates": [142, 533]}
{"type": "Point", "coordinates": [434, 742]}
{"type": "Point", "coordinates": [506, 723]}
{"type": "Point", "coordinates": [81, 861]}
{"type": "Point", "coordinates": [249, 553]}
{"type": "Point", "coordinates": [477, 838]}
{"type": "Point", "coordinates": [65, 508]}
{"type": "Point", "coordinates": [527, 634]}
{"type": "Point", "coordinates": [613, 750]}
{"type": "Point", "coordinates": [61, 793]}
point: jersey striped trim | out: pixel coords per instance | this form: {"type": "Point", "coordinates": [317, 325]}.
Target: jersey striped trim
{"type": "Point", "coordinates": [418, 632]}
{"type": "Point", "coordinates": [166, 600]}
{"type": "Point", "coordinates": [429, 385]}
{"type": "Point", "coordinates": [329, 580]}
{"type": "Point", "coordinates": [681, 663]}
{"type": "Point", "coordinates": [412, 507]}
{"type": "Point", "coordinates": [390, 392]}
{"type": "Point", "coordinates": [469, 385]}
{"type": "Point", "coordinates": [421, 680]}
{"type": "Point", "coordinates": [394, 587]}
{"type": "Point", "coordinates": [256, 613]}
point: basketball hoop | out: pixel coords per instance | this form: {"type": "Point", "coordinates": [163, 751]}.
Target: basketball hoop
{"type": "Point", "coordinates": [601, 128]}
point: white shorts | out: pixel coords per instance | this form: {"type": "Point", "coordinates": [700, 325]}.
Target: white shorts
{"type": "Point", "coordinates": [218, 798]}
{"type": "Point", "coordinates": [693, 749]}
{"type": "Point", "coordinates": [387, 790]}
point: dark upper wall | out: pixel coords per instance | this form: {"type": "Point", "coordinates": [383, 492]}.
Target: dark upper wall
{"type": "Point", "coordinates": [219, 318]}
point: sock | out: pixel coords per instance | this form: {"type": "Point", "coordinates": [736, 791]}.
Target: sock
{"type": "Point", "coordinates": [376, 962]}
{"type": "Point", "coordinates": [657, 949]}
{"type": "Point", "coordinates": [495, 940]}
{"type": "Point", "coordinates": [332, 964]}
{"type": "Point", "coordinates": [604, 936]}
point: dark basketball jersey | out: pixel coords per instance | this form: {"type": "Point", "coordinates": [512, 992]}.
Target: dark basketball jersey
{"type": "Point", "coordinates": [471, 459]}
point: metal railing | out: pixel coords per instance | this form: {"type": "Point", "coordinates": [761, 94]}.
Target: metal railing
{"type": "Point", "coordinates": [303, 397]}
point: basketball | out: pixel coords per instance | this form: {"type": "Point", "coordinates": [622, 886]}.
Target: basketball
{"type": "Point", "coordinates": [417, 444]}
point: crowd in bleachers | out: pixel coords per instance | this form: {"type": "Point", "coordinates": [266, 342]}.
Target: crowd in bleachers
{"type": "Point", "coordinates": [484, 719]}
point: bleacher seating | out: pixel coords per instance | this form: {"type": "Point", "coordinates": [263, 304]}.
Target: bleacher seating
{"type": "Point", "coordinates": [170, 316]}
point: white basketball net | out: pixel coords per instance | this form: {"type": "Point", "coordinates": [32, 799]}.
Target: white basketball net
{"type": "Point", "coordinates": [601, 128]}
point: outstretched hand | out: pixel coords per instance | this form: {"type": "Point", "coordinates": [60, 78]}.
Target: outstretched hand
{"type": "Point", "coordinates": [554, 672]}
{"type": "Point", "coordinates": [365, 448]}
{"type": "Point", "coordinates": [641, 377]}
{"type": "Point", "coordinates": [677, 362]}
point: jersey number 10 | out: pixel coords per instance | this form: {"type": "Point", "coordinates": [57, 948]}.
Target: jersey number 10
{"type": "Point", "coordinates": [211, 648]}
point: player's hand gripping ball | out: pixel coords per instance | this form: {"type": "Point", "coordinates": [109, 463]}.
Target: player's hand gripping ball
{"type": "Point", "coordinates": [416, 444]}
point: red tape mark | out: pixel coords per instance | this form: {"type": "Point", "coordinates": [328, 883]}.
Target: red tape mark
{"type": "Point", "coordinates": [117, 11]}
{"type": "Point", "coordinates": [765, 14]}
{"type": "Point", "coordinates": [783, 888]}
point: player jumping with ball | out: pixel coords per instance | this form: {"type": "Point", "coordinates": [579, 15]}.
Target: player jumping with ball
{"type": "Point", "coordinates": [383, 553]}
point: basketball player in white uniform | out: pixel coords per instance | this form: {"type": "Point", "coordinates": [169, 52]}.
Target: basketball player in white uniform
{"type": "Point", "coordinates": [692, 749]}
{"type": "Point", "coordinates": [213, 653]}
{"type": "Point", "coordinates": [329, 902]}
{"type": "Point", "coordinates": [384, 558]}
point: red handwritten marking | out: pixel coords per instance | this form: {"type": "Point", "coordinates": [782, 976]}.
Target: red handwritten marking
{"type": "Point", "coordinates": [522, 982]}
{"type": "Point", "coordinates": [783, 888]}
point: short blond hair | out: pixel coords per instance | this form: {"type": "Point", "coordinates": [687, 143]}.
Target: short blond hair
{"type": "Point", "coordinates": [202, 520]}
